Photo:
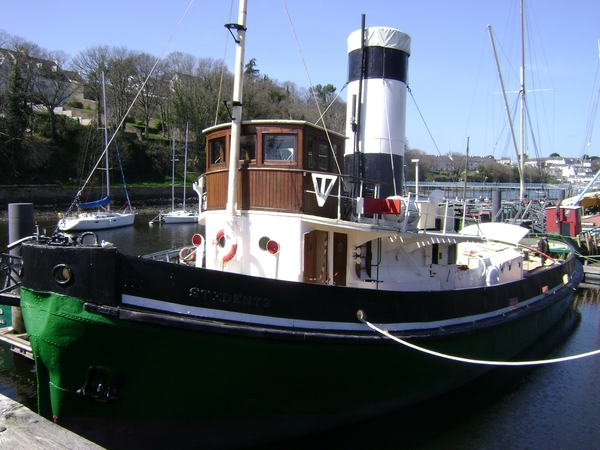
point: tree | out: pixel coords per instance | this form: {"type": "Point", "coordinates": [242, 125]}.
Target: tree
{"type": "Point", "coordinates": [324, 93]}
{"type": "Point", "coordinates": [90, 64]}
{"type": "Point", "coordinates": [121, 70]}
{"type": "Point", "coordinates": [17, 110]}
{"type": "Point", "coordinates": [250, 68]}
{"type": "Point", "coordinates": [150, 79]}
{"type": "Point", "coordinates": [51, 85]}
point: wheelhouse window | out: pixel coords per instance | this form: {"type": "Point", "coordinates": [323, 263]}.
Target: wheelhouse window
{"type": "Point", "coordinates": [323, 157]}
{"type": "Point", "coordinates": [248, 147]}
{"type": "Point", "coordinates": [217, 151]}
{"type": "Point", "coordinates": [319, 154]}
{"type": "Point", "coordinates": [279, 147]}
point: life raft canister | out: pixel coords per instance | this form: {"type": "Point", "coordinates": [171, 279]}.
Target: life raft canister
{"type": "Point", "coordinates": [226, 246]}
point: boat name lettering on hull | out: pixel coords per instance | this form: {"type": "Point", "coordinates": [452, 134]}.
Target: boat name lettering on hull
{"type": "Point", "coordinates": [227, 297]}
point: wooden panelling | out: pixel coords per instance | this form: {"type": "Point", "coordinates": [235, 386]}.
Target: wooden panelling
{"type": "Point", "coordinates": [274, 185]}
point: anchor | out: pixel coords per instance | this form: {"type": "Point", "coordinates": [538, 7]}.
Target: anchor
{"type": "Point", "coordinates": [97, 385]}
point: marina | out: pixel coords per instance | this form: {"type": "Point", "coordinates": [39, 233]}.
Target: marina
{"type": "Point", "coordinates": [302, 269]}
{"type": "Point", "coordinates": [558, 402]}
{"type": "Point", "coordinates": [313, 295]}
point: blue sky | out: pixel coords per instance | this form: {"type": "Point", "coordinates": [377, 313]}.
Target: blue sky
{"type": "Point", "coordinates": [452, 73]}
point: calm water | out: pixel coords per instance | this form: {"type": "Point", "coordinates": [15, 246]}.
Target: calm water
{"type": "Point", "coordinates": [548, 407]}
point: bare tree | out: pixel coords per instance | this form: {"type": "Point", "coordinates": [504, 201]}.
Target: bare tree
{"type": "Point", "coordinates": [51, 85]}
{"type": "Point", "coordinates": [196, 94]}
{"type": "Point", "coordinates": [90, 64]}
{"type": "Point", "coordinates": [149, 78]}
{"type": "Point", "coordinates": [121, 70]}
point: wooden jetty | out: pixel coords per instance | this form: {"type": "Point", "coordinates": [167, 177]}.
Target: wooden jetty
{"type": "Point", "coordinates": [22, 429]}
{"type": "Point", "coordinates": [19, 343]}
{"type": "Point", "coordinates": [591, 278]}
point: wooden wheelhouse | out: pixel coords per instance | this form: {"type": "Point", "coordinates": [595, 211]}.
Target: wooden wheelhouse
{"type": "Point", "coordinates": [276, 163]}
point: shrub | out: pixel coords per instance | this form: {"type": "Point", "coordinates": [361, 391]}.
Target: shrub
{"type": "Point", "coordinates": [75, 104]}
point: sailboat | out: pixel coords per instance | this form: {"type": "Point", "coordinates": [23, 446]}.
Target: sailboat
{"type": "Point", "coordinates": [97, 215]}
{"type": "Point", "coordinates": [319, 294]}
{"type": "Point", "coordinates": [178, 215]}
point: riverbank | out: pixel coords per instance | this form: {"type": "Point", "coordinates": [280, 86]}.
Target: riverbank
{"type": "Point", "coordinates": [50, 200]}
{"type": "Point", "coordinates": [51, 213]}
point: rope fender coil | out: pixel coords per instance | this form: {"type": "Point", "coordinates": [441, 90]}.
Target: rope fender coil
{"type": "Point", "coordinates": [187, 254]}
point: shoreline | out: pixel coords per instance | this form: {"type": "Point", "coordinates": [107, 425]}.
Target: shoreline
{"type": "Point", "coordinates": [52, 212]}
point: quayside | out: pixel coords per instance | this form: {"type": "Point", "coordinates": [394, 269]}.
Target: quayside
{"type": "Point", "coordinates": [309, 240]}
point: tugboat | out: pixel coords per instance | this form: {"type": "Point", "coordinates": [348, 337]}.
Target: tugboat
{"type": "Point", "coordinates": [279, 322]}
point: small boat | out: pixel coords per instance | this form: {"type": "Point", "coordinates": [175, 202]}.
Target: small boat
{"type": "Point", "coordinates": [96, 220]}
{"type": "Point", "coordinates": [97, 214]}
{"type": "Point", "coordinates": [182, 215]}
{"type": "Point", "coordinates": [319, 294]}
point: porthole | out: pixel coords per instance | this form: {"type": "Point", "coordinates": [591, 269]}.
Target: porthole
{"type": "Point", "coordinates": [62, 274]}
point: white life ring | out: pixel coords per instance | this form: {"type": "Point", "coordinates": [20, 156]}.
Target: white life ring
{"type": "Point", "coordinates": [226, 246]}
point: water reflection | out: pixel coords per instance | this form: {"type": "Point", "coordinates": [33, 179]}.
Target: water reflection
{"type": "Point", "coordinates": [143, 238]}
{"type": "Point", "coordinates": [551, 406]}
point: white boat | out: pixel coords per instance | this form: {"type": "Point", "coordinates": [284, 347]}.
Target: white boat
{"type": "Point", "coordinates": [101, 218]}
{"type": "Point", "coordinates": [181, 215]}
{"type": "Point", "coordinates": [90, 221]}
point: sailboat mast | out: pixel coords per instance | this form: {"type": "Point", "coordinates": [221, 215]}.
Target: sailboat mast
{"type": "Point", "coordinates": [173, 172]}
{"type": "Point", "coordinates": [236, 120]}
{"type": "Point", "coordinates": [105, 139]}
{"type": "Point", "coordinates": [185, 164]}
{"type": "Point", "coordinates": [522, 137]}
{"type": "Point", "coordinates": [506, 108]}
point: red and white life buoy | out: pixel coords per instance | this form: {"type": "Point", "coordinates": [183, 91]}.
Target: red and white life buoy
{"type": "Point", "coordinates": [226, 246]}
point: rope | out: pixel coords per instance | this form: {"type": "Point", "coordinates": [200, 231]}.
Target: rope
{"type": "Point", "coordinates": [130, 107]}
{"type": "Point", "coordinates": [423, 119]}
{"type": "Point", "coordinates": [361, 316]}
{"type": "Point", "coordinates": [312, 89]}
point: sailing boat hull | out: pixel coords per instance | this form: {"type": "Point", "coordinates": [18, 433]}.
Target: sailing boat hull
{"type": "Point", "coordinates": [179, 217]}
{"type": "Point", "coordinates": [262, 359]}
{"type": "Point", "coordinates": [96, 221]}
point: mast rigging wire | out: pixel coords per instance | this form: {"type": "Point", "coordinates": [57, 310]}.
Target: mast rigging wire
{"type": "Point", "coordinates": [131, 105]}
{"type": "Point", "coordinates": [312, 88]}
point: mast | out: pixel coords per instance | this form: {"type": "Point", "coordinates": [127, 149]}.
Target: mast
{"type": "Point", "coordinates": [466, 173]}
{"type": "Point", "coordinates": [173, 172]}
{"type": "Point", "coordinates": [105, 140]}
{"type": "Point", "coordinates": [518, 153]}
{"type": "Point", "coordinates": [358, 172]}
{"type": "Point", "coordinates": [522, 143]}
{"type": "Point", "coordinates": [465, 186]}
{"type": "Point", "coordinates": [236, 119]}
{"type": "Point", "coordinates": [185, 164]}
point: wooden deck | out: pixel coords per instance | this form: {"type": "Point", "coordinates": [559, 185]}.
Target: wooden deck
{"type": "Point", "coordinates": [591, 279]}
{"type": "Point", "coordinates": [19, 343]}
{"type": "Point", "coordinates": [22, 429]}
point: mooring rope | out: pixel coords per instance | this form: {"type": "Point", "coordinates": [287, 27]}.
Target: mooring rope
{"type": "Point", "coordinates": [362, 317]}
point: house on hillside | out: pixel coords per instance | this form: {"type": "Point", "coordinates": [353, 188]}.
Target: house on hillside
{"type": "Point", "coordinates": [48, 86]}
{"type": "Point", "coordinates": [568, 170]}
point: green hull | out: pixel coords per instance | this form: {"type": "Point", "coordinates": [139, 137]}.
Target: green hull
{"type": "Point", "coordinates": [219, 389]}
